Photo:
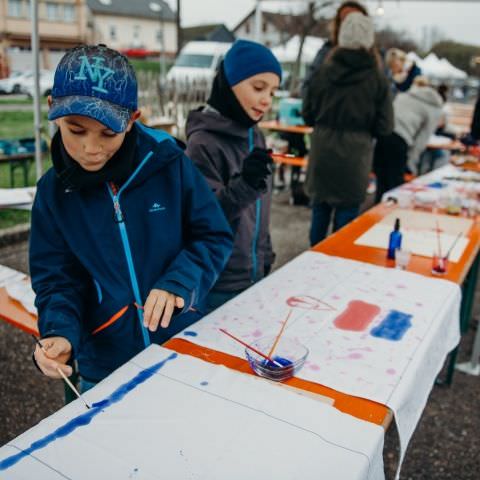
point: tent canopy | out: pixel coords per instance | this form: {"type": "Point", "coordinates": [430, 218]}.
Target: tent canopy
{"type": "Point", "coordinates": [287, 53]}
{"type": "Point", "coordinates": [439, 68]}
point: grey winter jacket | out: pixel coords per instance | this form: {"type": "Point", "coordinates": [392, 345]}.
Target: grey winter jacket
{"type": "Point", "coordinates": [348, 102]}
{"type": "Point", "coordinates": [218, 145]}
{"type": "Point", "coordinates": [417, 115]}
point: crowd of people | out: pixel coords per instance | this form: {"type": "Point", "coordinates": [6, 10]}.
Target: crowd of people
{"type": "Point", "coordinates": [134, 238]}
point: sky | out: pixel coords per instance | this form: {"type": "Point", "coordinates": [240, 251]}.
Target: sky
{"type": "Point", "coordinates": [456, 20]}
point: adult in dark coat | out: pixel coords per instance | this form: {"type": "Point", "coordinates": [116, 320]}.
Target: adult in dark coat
{"type": "Point", "coordinates": [343, 10]}
{"type": "Point", "coordinates": [348, 103]}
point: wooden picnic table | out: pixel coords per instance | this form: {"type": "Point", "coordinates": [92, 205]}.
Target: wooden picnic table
{"type": "Point", "coordinates": [18, 160]}
{"type": "Point", "coordinates": [464, 272]}
{"type": "Point", "coordinates": [276, 126]}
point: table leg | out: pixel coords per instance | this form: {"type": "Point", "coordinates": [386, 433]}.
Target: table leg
{"type": "Point", "coordinates": [468, 294]}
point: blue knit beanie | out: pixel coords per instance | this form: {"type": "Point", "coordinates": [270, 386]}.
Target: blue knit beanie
{"type": "Point", "coordinates": [246, 59]}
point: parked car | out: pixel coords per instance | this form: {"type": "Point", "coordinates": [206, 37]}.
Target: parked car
{"type": "Point", "coordinates": [46, 83]}
{"type": "Point", "coordinates": [197, 61]}
{"type": "Point", "coordinates": [14, 83]}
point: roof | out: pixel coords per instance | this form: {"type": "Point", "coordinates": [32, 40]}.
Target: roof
{"type": "Point", "coordinates": [133, 8]}
{"type": "Point", "coordinates": [216, 32]}
{"type": "Point", "coordinates": [287, 22]}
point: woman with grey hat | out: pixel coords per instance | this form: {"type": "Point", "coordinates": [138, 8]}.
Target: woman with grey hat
{"type": "Point", "coordinates": [348, 104]}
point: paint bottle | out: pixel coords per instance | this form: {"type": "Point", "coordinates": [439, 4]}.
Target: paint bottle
{"type": "Point", "coordinates": [395, 240]}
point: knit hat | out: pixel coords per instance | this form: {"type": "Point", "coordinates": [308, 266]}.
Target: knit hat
{"type": "Point", "coordinates": [356, 31]}
{"type": "Point", "coordinates": [246, 59]}
{"type": "Point", "coordinates": [96, 82]}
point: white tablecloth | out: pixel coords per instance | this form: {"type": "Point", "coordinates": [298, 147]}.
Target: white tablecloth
{"type": "Point", "coordinates": [164, 415]}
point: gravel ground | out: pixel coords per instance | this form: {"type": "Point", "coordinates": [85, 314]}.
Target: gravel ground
{"type": "Point", "coordinates": [446, 444]}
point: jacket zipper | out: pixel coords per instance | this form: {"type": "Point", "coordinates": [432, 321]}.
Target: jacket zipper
{"type": "Point", "coordinates": [120, 220]}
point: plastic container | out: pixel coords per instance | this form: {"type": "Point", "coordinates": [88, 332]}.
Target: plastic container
{"type": "Point", "coordinates": [288, 352]}
{"type": "Point", "coordinates": [439, 264]}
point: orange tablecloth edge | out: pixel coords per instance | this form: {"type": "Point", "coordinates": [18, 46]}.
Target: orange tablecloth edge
{"type": "Point", "coordinates": [358, 407]}
{"type": "Point", "coordinates": [14, 312]}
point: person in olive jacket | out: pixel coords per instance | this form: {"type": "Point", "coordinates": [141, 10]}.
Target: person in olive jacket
{"type": "Point", "coordinates": [349, 103]}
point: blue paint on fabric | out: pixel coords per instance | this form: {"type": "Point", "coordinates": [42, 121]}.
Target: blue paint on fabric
{"type": "Point", "coordinates": [189, 333]}
{"type": "Point", "coordinates": [204, 383]}
{"type": "Point", "coordinates": [393, 326]}
{"type": "Point", "coordinates": [437, 185]}
{"type": "Point", "coordinates": [87, 417]}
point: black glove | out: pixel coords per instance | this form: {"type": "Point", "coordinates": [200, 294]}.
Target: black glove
{"type": "Point", "coordinates": [468, 140]}
{"type": "Point", "coordinates": [257, 168]}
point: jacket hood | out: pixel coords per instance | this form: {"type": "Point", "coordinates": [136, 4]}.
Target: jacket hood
{"type": "Point", "coordinates": [206, 119]}
{"type": "Point", "coordinates": [427, 95]}
{"type": "Point", "coordinates": [348, 67]}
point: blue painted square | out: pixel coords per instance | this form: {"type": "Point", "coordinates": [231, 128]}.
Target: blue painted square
{"type": "Point", "coordinates": [393, 326]}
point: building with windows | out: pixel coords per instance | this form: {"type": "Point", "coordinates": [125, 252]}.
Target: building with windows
{"type": "Point", "coordinates": [62, 25]}
{"type": "Point", "coordinates": [148, 25]}
{"type": "Point", "coordinates": [216, 32]}
{"type": "Point", "coordinates": [134, 25]}
{"type": "Point", "coordinates": [277, 28]}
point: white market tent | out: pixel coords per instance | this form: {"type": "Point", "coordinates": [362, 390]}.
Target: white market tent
{"type": "Point", "coordinates": [287, 53]}
{"type": "Point", "coordinates": [439, 68]}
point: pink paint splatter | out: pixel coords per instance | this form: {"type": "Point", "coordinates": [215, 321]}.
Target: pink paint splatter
{"type": "Point", "coordinates": [391, 371]}
{"type": "Point", "coordinates": [401, 286]}
{"type": "Point", "coordinates": [314, 367]}
{"type": "Point", "coordinates": [355, 356]}
{"type": "Point", "coordinates": [257, 333]}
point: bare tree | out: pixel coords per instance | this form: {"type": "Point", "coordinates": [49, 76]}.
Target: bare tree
{"type": "Point", "coordinates": [303, 25]}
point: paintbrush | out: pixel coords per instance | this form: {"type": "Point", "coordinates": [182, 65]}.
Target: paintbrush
{"type": "Point", "coordinates": [253, 349]}
{"type": "Point", "coordinates": [277, 339]}
{"type": "Point", "coordinates": [59, 370]}
{"type": "Point", "coordinates": [453, 244]}
{"type": "Point", "coordinates": [438, 240]}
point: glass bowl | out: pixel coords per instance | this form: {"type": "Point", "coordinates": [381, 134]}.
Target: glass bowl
{"type": "Point", "coordinates": [290, 353]}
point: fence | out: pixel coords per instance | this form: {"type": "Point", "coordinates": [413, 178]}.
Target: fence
{"type": "Point", "coordinates": [170, 101]}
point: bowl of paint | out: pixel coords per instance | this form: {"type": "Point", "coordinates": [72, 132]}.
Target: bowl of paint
{"type": "Point", "coordinates": [287, 358]}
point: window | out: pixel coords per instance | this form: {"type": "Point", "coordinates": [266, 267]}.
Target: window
{"type": "Point", "coordinates": [136, 32]}
{"type": "Point", "coordinates": [160, 36]}
{"type": "Point", "coordinates": [195, 60]}
{"type": "Point", "coordinates": [264, 27]}
{"type": "Point", "coordinates": [247, 27]}
{"type": "Point", "coordinates": [113, 32]}
{"type": "Point", "coordinates": [52, 11]}
{"type": "Point", "coordinates": [69, 13]}
{"type": "Point", "coordinates": [15, 8]}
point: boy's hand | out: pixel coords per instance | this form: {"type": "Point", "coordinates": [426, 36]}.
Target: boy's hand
{"type": "Point", "coordinates": [159, 306]}
{"type": "Point", "coordinates": [56, 355]}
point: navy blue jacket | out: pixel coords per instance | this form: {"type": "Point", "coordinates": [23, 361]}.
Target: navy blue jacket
{"type": "Point", "coordinates": [94, 254]}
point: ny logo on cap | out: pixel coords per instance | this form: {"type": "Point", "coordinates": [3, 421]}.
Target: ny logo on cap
{"type": "Point", "coordinates": [97, 72]}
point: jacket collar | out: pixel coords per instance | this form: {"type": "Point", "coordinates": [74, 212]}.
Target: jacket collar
{"type": "Point", "coordinates": [156, 149]}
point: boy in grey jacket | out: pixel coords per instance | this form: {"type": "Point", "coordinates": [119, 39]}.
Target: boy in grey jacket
{"type": "Point", "coordinates": [417, 114]}
{"type": "Point", "coordinates": [228, 148]}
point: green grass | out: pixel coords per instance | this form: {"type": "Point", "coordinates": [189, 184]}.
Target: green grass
{"type": "Point", "coordinates": [17, 125]}
{"type": "Point", "coordinates": [10, 217]}
{"type": "Point", "coordinates": [15, 101]}
{"type": "Point", "coordinates": [146, 65]}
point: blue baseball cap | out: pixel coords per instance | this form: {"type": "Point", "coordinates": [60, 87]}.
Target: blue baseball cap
{"type": "Point", "coordinates": [96, 82]}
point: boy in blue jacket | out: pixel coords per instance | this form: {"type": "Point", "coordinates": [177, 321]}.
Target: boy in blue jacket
{"type": "Point", "coordinates": [125, 231]}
